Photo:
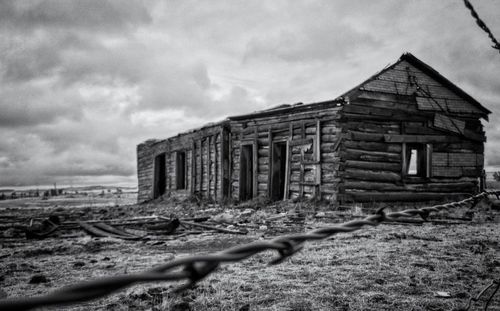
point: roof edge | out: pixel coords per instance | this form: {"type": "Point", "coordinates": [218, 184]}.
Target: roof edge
{"type": "Point", "coordinates": [440, 78]}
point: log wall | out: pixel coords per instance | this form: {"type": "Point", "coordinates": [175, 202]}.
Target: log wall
{"type": "Point", "coordinates": [312, 157]}
{"type": "Point", "coordinates": [404, 106]}
{"type": "Point", "coordinates": [353, 149]}
{"type": "Point", "coordinates": [203, 164]}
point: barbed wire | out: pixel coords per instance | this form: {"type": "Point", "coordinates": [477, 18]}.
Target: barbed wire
{"type": "Point", "coordinates": [195, 268]}
{"type": "Point", "coordinates": [482, 25]}
{"type": "Point", "coordinates": [472, 298]}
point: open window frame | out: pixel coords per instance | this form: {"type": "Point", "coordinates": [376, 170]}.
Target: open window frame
{"type": "Point", "coordinates": [416, 161]}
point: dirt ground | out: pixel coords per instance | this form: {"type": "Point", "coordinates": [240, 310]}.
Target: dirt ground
{"type": "Point", "coordinates": [436, 265]}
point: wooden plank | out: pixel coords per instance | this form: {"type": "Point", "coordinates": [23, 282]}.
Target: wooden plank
{"type": "Point", "coordinates": [421, 130]}
{"type": "Point", "coordinates": [301, 142]}
{"type": "Point", "coordinates": [394, 138]}
{"type": "Point", "coordinates": [358, 196]}
{"type": "Point", "coordinates": [288, 161]}
{"type": "Point", "coordinates": [303, 135]}
{"type": "Point", "coordinates": [373, 146]}
{"type": "Point", "coordinates": [193, 166]}
{"type": "Point", "coordinates": [230, 165]}
{"type": "Point", "coordinates": [270, 152]}
{"type": "Point", "coordinates": [317, 157]}
{"type": "Point", "coordinates": [360, 136]}
{"type": "Point", "coordinates": [209, 166]}
{"type": "Point", "coordinates": [384, 127]}
{"type": "Point", "coordinates": [340, 139]}
{"type": "Point", "coordinates": [359, 174]}
{"type": "Point", "coordinates": [255, 163]}
{"type": "Point", "coordinates": [404, 166]}
{"type": "Point", "coordinates": [386, 97]}
{"type": "Point", "coordinates": [216, 167]}
{"type": "Point", "coordinates": [409, 117]}
{"type": "Point", "coordinates": [370, 185]}
{"type": "Point", "coordinates": [365, 155]}
{"type": "Point", "coordinates": [386, 166]}
{"type": "Point", "coordinates": [201, 166]}
{"type": "Point", "coordinates": [400, 107]}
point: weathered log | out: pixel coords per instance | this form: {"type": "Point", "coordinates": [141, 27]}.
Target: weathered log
{"type": "Point", "coordinates": [421, 130]}
{"type": "Point", "coordinates": [354, 135]}
{"type": "Point", "coordinates": [386, 97]}
{"type": "Point", "coordinates": [114, 230]}
{"type": "Point", "coordinates": [385, 105]}
{"type": "Point", "coordinates": [224, 230]}
{"type": "Point", "coordinates": [400, 117]}
{"type": "Point", "coordinates": [363, 155]}
{"type": "Point", "coordinates": [371, 175]}
{"type": "Point", "coordinates": [459, 147]}
{"type": "Point", "coordinates": [443, 187]}
{"type": "Point", "coordinates": [370, 185]}
{"type": "Point", "coordinates": [102, 233]}
{"type": "Point", "coordinates": [393, 138]}
{"type": "Point", "coordinates": [373, 146]}
{"type": "Point", "coordinates": [358, 196]}
{"type": "Point", "coordinates": [395, 167]}
{"type": "Point", "coordinates": [389, 113]}
{"type": "Point", "coordinates": [373, 127]}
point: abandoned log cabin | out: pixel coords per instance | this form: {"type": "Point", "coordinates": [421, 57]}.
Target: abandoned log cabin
{"type": "Point", "coordinates": [406, 134]}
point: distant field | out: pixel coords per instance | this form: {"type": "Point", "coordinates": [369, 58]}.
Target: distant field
{"type": "Point", "coordinates": [432, 266]}
{"type": "Point", "coordinates": [82, 199]}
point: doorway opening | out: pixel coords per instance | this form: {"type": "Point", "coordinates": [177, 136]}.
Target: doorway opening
{"type": "Point", "coordinates": [160, 178]}
{"type": "Point", "coordinates": [180, 170]}
{"type": "Point", "coordinates": [278, 171]}
{"type": "Point", "coordinates": [246, 172]}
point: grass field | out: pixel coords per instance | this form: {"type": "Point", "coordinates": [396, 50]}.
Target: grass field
{"type": "Point", "coordinates": [390, 267]}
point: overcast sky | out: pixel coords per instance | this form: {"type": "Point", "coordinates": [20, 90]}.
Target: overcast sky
{"type": "Point", "coordinates": [83, 82]}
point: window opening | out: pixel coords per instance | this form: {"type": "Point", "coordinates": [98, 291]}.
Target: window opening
{"type": "Point", "coordinates": [418, 160]}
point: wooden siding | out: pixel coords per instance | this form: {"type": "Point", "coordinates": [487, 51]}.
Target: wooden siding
{"type": "Point", "coordinates": [357, 148]}
{"type": "Point", "coordinates": [203, 163]}
{"type": "Point", "coordinates": [400, 108]}
{"type": "Point", "coordinates": [312, 159]}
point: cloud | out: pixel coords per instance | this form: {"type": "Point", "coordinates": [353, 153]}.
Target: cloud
{"type": "Point", "coordinates": [85, 15]}
{"type": "Point", "coordinates": [311, 42]}
{"type": "Point", "coordinates": [83, 82]}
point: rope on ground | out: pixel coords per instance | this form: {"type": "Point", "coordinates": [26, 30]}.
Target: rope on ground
{"type": "Point", "coordinates": [195, 268]}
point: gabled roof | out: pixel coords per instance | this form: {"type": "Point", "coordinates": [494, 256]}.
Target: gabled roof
{"type": "Point", "coordinates": [410, 58]}
{"type": "Point", "coordinates": [440, 78]}
{"type": "Point", "coordinates": [340, 100]}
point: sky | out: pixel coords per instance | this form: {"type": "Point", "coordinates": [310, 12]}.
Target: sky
{"type": "Point", "coordinates": [83, 82]}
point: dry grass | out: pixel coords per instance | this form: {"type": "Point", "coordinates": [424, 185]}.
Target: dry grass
{"type": "Point", "coordinates": [390, 267]}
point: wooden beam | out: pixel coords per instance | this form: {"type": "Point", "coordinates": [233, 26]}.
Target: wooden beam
{"type": "Point", "coordinates": [366, 136]}
{"type": "Point", "coordinates": [216, 167]}
{"type": "Point", "coordinates": [301, 180]}
{"type": "Point", "coordinates": [386, 166]}
{"type": "Point", "coordinates": [357, 196]}
{"type": "Point", "coordinates": [270, 152]}
{"type": "Point", "coordinates": [288, 161]}
{"type": "Point", "coordinates": [255, 166]}
{"type": "Point", "coordinates": [201, 166]}
{"type": "Point", "coordinates": [404, 166]}
{"type": "Point", "coordinates": [394, 138]}
{"type": "Point", "coordinates": [318, 159]}
{"type": "Point", "coordinates": [359, 174]}
{"type": "Point", "coordinates": [193, 166]}
{"type": "Point", "coordinates": [230, 164]}
{"type": "Point", "coordinates": [302, 141]}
